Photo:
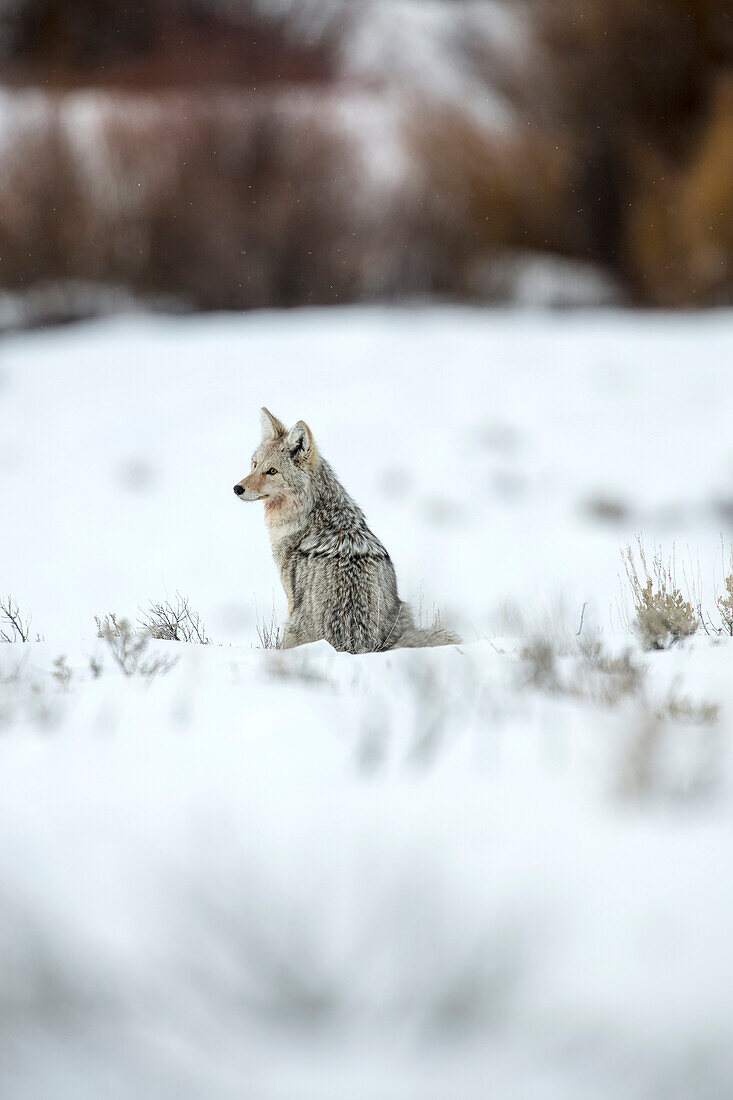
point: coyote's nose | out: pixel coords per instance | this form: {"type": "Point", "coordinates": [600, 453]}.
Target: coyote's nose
{"type": "Point", "coordinates": [239, 490]}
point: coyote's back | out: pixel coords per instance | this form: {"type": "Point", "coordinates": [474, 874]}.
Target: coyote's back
{"type": "Point", "coordinates": [337, 575]}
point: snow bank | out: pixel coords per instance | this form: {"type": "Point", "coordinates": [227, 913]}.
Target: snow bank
{"type": "Point", "coordinates": [305, 874]}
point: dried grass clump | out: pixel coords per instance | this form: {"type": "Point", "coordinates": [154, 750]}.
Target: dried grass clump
{"type": "Point", "coordinates": [713, 624]}
{"type": "Point", "coordinates": [671, 745]}
{"type": "Point", "coordinates": [268, 631]}
{"type": "Point", "coordinates": [483, 197]}
{"type": "Point", "coordinates": [174, 622]}
{"type": "Point", "coordinates": [725, 605]}
{"type": "Point", "coordinates": [539, 664]}
{"type": "Point", "coordinates": [683, 710]}
{"type": "Point", "coordinates": [24, 697]}
{"type": "Point", "coordinates": [301, 670]}
{"type": "Point", "coordinates": [673, 752]}
{"type": "Point", "coordinates": [606, 678]}
{"type": "Point", "coordinates": [128, 648]}
{"type": "Point", "coordinates": [662, 614]}
{"type": "Point", "coordinates": [429, 620]}
{"type": "Point", "coordinates": [62, 674]}
{"type": "Point", "coordinates": [580, 667]}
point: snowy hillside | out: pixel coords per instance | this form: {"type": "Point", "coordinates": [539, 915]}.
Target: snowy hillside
{"type": "Point", "coordinates": [498, 869]}
{"type": "Point", "coordinates": [501, 457]}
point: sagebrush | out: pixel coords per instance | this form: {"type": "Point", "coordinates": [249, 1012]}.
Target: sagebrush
{"type": "Point", "coordinates": [129, 647]}
{"type": "Point", "coordinates": [174, 622]}
{"type": "Point", "coordinates": [662, 615]}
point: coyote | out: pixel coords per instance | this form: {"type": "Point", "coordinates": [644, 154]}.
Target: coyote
{"type": "Point", "coordinates": [338, 578]}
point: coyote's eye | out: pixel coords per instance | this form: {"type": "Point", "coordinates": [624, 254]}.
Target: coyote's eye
{"type": "Point", "coordinates": [272, 470]}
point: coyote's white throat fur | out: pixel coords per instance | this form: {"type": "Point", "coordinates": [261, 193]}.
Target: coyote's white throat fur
{"type": "Point", "coordinates": [338, 578]}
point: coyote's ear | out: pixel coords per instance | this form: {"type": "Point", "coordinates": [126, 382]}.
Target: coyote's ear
{"type": "Point", "coordinates": [300, 442]}
{"type": "Point", "coordinates": [271, 426]}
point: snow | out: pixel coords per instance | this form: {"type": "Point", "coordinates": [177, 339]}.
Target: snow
{"type": "Point", "coordinates": [433, 53]}
{"type": "Point", "coordinates": [406, 875]}
{"type": "Point", "coordinates": [531, 279]}
{"type": "Point", "coordinates": [425, 47]}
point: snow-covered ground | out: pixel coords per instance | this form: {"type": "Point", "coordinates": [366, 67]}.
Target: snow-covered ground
{"type": "Point", "coordinates": [435, 874]}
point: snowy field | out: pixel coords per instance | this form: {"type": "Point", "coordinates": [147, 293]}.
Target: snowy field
{"type": "Point", "coordinates": [499, 869]}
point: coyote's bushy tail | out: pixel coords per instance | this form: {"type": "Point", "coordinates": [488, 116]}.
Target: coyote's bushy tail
{"type": "Point", "coordinates": [414, 638]}
{"type": "Point", "coordinates": [408, 636]}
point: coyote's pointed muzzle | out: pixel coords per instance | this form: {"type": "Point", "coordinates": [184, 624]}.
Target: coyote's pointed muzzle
{"type": "Point", "coordinates": [246, 492]}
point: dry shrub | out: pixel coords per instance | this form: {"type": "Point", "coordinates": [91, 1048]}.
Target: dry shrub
{"type": "Point", "coordinates": [725, 605]}
{"type": "Point", "coordinates": [606, 678]}
{"type": "Point", "coordinates": [61, 673]}
{"type": "Point", "coordinates": [129, 647]}
{"type": "Point", "coordinates": [67, 43]}
{"type": "Point", "coordinates": [24, 697]}
{"type": "Point", "coordinates": [712, 624]}
{"type": "Point", "coordinates": [174, 622]}
{"type": "Point", "coordinates": [625, 66]}
{"type": "Point", "coordinates": [44, 219]}
{"type": "Point", "coordinates": [298, 669]}
{"type": "Point", "coordinates": [680, 239]}
{"type": "Point", "coordinates": [268, 631]}
{"type": "Point", "coordinates": [587, 670]}
{"type": "Point", "coordinates": [219, 204]}
{"type": "Point", "coordinates": [671, 746]}
{"type": "Point", "coordinates": [632, 84]}
{"type": "Point", "coordinates": [672, 753]}
{"type": "Point", "coordinates": [619, 152]}
{"type": "Point", "coordinates": [662, 616]}
{"type": "Point", "coordinates": [539, 668]}
{"type": "Point", "coordinates": [14, 625]}
{"type": "Point", "coordinates": [482, 194]}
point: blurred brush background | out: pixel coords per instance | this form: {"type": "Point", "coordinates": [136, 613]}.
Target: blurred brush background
{"type": "Point", "coordinates": [214, 154]}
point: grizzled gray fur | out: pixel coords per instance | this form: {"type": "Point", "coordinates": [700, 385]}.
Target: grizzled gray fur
{"type": "Point", "coordinates": [338, 578]}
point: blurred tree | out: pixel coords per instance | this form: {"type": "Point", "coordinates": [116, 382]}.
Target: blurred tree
{"type": "Point", "coordinates": [158, 43]}
{"type": "Point", "coordinates": [631, 82]}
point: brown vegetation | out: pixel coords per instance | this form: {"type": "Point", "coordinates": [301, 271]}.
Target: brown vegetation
{"type": "Point", "coordinates": [679, 234]}
{"type": "Point", "coordinates": [636, 88]}
{"type": "Point", "coordinates": [484, 193]}
{"type": "Point", "coordinates": [162, 43]}
{"type": "Point", "coordinates": [217, 203]}
{"type": "Point", "coordinates": [218, 167]}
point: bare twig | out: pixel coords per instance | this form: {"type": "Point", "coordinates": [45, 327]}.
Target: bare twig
{"type": "Point", "coordinates": [174, 622]}
{"type": "Point", "coordinates": [269, 632]}
{"type": "Point", "coordinates": [15, 628]}
{"type": "Point", "coordinates": [579, 631]}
